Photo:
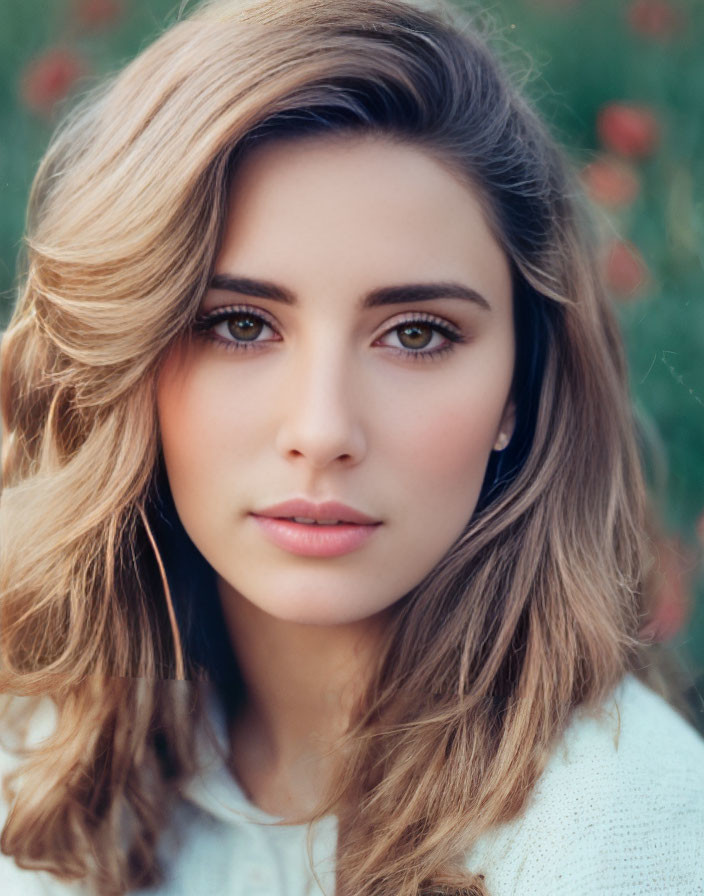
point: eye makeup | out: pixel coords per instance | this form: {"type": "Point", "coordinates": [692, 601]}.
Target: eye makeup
{"type": "Point", "coordinates": [217, 326]}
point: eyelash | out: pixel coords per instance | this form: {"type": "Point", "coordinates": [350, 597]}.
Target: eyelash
{"type": "Point", "coordinates": [205, 324]}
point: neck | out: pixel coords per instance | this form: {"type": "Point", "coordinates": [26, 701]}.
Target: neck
{"type": "Point", "coordinates": [301, 684]}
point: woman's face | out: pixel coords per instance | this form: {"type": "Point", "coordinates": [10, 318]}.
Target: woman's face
{"type": "Point", "coordinates": [366, 360]}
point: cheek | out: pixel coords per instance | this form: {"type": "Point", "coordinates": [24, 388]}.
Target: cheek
{"type": "Point", "coordinates": [443, 440]}
{"type": "Point", "coordinates": [190, 422]}
{"type": "Point", "coordinates": [200, 417]}
{"type": "Point", "coordinates": [449, 442]}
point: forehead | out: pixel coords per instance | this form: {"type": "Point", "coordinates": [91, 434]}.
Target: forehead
{"type": "Point", "coordinates": [357, 210]}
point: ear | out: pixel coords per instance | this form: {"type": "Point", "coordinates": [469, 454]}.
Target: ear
{"type": "Point", "coordinates": [506, 427]}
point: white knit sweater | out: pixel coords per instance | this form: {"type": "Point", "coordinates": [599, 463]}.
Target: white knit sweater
{"type": "Point", "coordinates": [619, 811]}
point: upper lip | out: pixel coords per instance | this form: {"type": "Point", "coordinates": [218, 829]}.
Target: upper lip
{"type": "Point", "coordinates": [328, 510]}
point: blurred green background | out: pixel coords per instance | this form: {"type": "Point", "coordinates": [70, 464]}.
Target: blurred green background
{"type": "Point", "coordinates": [622, 86]}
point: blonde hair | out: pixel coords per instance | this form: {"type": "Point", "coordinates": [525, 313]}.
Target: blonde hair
{"type": "Point", "coordinates": [534, 611]}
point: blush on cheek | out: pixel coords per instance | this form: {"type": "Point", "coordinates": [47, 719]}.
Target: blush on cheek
{"type": "Point", "coordinates": [452, 436]}
{"type": "Point", "coordinates": [183, 411]}
{"type": "Point", "coordinates": [194, 404]}
{"type": "Point", "coordinates": [451, 450]}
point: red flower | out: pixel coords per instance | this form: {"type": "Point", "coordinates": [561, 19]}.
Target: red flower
{"type": "Point", "coordinates": [49, 78]}
{"type": "Point", "coordinates": [672, 599]}
{"type": "Point", "coordinates": [630, 131]}
{"type": "Point", "coordinates": [97, 13]}
{"type": "Point", "coordinates": [655, 18]}
{"type": "Point", "coordinates": [610, 181]}
{"type": "Point", "coordinates": [625, 271]}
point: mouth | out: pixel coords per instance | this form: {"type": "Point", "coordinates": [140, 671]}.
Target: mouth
{"type": "Point", "coordinates": [307, 521]}
{"type": "Point", "coordinates": [307, 537]}
{"type": "Point", "coordinates": [302, 511]}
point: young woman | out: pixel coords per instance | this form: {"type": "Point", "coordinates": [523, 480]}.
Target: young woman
{"type": "Point", "coordinates": [323, 527]}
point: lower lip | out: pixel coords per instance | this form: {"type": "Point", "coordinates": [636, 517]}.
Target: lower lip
{"type": "Point", "coordinates": [309, 540]}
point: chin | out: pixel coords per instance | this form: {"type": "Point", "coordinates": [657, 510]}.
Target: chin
{"type": "Point", "coordinates": [307, 602]}
{"type": "Point", "coordinates": [307, 613]}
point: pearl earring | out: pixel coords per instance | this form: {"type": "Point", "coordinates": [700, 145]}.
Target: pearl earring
{"type": "Point", "coordinates": [501, 442]}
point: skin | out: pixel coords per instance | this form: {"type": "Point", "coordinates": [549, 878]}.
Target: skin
{"type": "Point", "coordinates": [325, 406]}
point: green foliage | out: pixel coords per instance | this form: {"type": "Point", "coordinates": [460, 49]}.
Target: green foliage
{"type": "Point", "coordinates": [586, 55]}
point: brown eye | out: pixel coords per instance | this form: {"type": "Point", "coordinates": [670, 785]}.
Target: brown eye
{"type": "Point", "coordinates": [415, 335]}
{"type": "Point", "coordinates": [244, 326]}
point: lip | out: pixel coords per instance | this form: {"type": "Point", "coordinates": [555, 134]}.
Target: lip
{"type": "Point", "coordinates": [310, 540]}
{"type": "Point", "coordinates": [327, 510]}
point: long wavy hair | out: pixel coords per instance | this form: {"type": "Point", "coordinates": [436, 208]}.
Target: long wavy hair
{"type": "Point", "coordinates": [535, 609]}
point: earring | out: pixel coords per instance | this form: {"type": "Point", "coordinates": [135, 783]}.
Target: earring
{"type": "Point", "coordinates": [502, 441]}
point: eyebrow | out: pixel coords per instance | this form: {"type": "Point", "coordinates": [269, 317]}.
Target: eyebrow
{"type": "Point", "coordinates": [386, 295]}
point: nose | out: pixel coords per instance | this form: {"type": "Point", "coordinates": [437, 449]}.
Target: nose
{"type": "Point", "coordinates": [321, 410]}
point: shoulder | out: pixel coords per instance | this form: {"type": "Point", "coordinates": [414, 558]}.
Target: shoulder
{"type": "Point", "coordinates": [15, 724]}
{"type": "Point", "coordinates": [637, 740]}
{"type": "Point", "coordinates": [619, 809]}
